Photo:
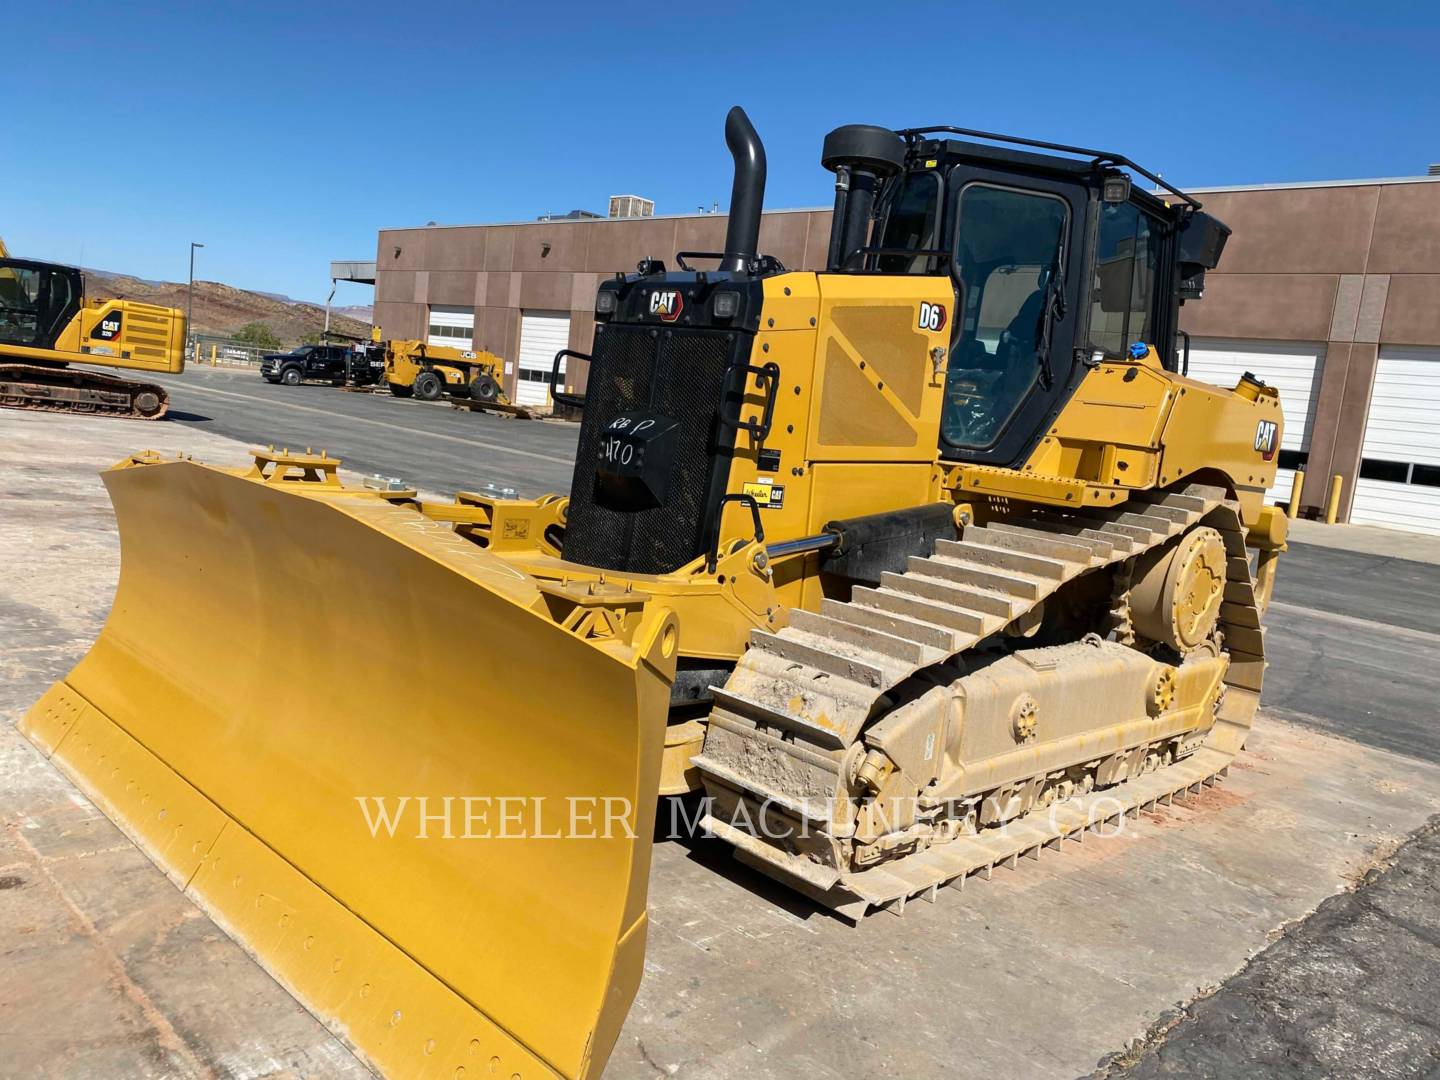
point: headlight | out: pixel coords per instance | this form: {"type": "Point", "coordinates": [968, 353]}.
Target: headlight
{"type": "Point", "coordinates": [725, 304]}
{"type": "Point", "coordinates": [605, 301]}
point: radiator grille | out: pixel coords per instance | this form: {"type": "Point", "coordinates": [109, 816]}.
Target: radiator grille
{"type": "Point", "coordinates": [680, 374]}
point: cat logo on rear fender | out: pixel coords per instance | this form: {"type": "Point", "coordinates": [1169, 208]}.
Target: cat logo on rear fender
{"type": "Point", "coordinates": [1267, 436]}
{"type": "Point", "coordinates": [667, 304]}
{"type": "Point", "coordinates": [109, 328]}
{"type": "Point", "coordinates": [932, 316]}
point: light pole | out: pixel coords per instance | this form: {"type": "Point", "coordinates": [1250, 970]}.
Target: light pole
{"type": "Point", "coordinates": [190, 298]}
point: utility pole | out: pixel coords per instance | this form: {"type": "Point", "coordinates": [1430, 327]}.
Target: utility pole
{"type": "Point", "coordinates": [190, 300]}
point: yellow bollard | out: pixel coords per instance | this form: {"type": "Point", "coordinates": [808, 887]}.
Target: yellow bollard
{"type": "Point", "coordinates": [1292, 511]}
{"type": "Point", "coordinates": [1332, 504]}
{"type": "Point", "coordinates": [214, 358]}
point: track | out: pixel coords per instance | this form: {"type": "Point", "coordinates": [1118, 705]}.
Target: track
{"type": "Point", "coordinates": [38, 388]}
{"type": "Point", "coordinates": [783, 728]}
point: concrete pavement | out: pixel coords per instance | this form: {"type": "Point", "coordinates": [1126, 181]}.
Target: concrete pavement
{"type": "Point", "coordinates": [1350, 991]}
{"type": "Point", "coordinates": [1368, 540]}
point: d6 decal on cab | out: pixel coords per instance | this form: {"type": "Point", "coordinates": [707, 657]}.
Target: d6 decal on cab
{"type": "Point", "coordinates": [932, 316]}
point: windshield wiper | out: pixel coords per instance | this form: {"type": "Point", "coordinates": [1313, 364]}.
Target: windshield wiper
{"type": "Point", "coordinates": [1051, 309]}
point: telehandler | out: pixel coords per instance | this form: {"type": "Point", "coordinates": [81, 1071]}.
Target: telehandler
{"type": "Point", "coordinates": [46, 324]}
{"type": "Point", "coordinates": [424, 371]}
{"type": "Point", "coordinates": [916, 565]}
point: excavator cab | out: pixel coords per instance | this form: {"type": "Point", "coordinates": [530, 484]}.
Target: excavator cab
{"type": "Point", "coordinates": [37, 301]}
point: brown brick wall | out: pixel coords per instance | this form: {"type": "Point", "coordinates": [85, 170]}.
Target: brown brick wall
{"type": "Point", "coordinates": [1353, 267]}
{"type": "Point", "coordinates": [502, 270]}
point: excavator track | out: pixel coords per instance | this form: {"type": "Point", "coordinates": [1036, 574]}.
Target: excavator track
{"type": "Point", "coordinates": [800, 698]}
{"type": "Point", "coordinates": [38, 388]}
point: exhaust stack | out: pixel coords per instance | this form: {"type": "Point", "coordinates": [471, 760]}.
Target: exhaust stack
{"type": "Point", "coordinates": [747, 196]}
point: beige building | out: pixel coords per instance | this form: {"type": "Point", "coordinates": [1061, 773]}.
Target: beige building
{"type": "Point", "coordinates": [1330, 291]}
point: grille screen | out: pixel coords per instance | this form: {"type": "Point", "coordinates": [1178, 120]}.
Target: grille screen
{"type": "Point", "coordinates": [679, 374]}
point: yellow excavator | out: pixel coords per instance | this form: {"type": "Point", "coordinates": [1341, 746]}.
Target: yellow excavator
{"type": "Point", "coordinates": [914, 566]}
{"type": "Point", "coordinates": [46, 324]}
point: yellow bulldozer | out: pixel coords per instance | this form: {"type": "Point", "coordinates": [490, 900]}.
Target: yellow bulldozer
{"type": "Point", "coordinates": [46, 325]}
{"type": "Point", "coordinates": [913, 566]}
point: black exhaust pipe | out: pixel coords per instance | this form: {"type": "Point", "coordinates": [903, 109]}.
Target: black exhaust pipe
{"type": "Point", "coordinates": [747, 196]}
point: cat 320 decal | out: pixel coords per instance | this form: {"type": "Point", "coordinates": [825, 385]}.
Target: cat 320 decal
{"type": "Point", "coordinates": [109, 328]}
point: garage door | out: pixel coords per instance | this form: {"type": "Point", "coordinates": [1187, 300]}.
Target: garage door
{"type": "Point", "coordinates": [542, 335]}
{"type": "Point", "coordinates": [1293, 369]}
{"type": "Point", "coordinates": [452, 326]}
{"type": "Point", "coordinates": [1399, 482]}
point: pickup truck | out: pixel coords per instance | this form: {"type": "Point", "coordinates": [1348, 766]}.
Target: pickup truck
{"type": "Point", "coordinates": [335, 364]}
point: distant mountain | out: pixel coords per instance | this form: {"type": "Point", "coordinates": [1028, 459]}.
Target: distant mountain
{"type": "Point", "coordinates": [222, 309]}
{"type": "Point", "coordinates": [359, 312]}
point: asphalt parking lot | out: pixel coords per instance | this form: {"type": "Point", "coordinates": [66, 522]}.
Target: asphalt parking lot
{"type": "Point", "coordinates": [430, 444]}
{"type": "Point", "coordinates": [1190, 946]}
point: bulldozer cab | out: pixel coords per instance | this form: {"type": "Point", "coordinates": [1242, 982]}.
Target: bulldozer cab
{"type": "Point", "coordinates": [37, 301]}
{"type": "Point", "coordinates": [1057, 262]}
{"type": "Point", "coordinates": [1025, 270]}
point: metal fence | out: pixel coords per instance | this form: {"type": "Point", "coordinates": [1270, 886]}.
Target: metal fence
{"type": "Point", "coordinates": [216, 351]}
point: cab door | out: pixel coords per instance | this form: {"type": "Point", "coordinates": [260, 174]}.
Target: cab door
{"type": "Point", "coordinates": [1016, 243]}
{"type": "Point", "coordinates": [37, 302]}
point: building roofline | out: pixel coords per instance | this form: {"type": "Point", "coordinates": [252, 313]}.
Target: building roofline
{"type": "Point", "coordinates": [594, 221]}
{"type": "Point", "coordinates": [1216, 190]}
{"type": "Point", "coordinates": [1297, 184]}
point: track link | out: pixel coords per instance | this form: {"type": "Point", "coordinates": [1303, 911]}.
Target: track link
{"type": "Point", "coordinates": [801, 697]}
{"type": "Point", "coordinates": [37, 388]}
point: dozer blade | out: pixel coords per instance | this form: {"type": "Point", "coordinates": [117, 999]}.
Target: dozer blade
{"type": "Point", "coordinates": [285, 665]}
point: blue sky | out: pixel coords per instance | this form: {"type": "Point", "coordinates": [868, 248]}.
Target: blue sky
{"type": "Point", "coordinates": [285, 135]}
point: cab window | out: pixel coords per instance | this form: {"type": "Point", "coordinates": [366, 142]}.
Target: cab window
{"type": "Point", "coordinates": [32, 304]}
{"type": "Point", "coordinates": [1121, 309]}
{"type": "Point", "coordinates": [1010, 259]}
{"type": "Point", "coordinates": [910, 223]}
{"type": "Point", "coordinates": [19, 305]}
